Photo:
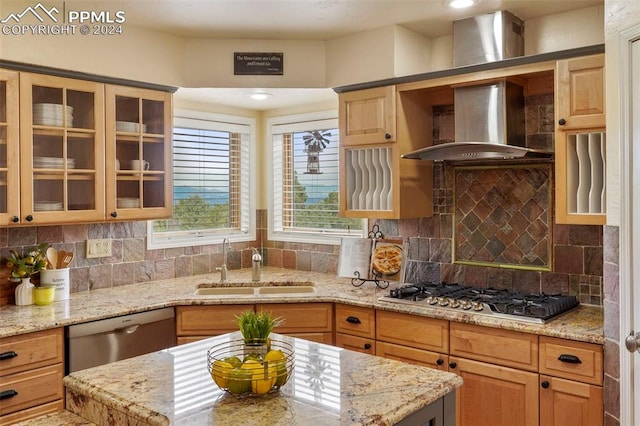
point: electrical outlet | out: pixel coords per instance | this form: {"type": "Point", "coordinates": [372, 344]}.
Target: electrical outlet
{"type": "Point", "coordinates": [98, 248]}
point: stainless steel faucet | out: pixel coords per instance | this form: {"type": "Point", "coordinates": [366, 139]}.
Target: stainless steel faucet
{"type": "Point", "coordinates": [256, 265]}
{"type": "Point", "coordinates": [223, 269]}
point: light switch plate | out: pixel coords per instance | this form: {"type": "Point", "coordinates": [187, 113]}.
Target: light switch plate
{"type": "Point", "coordinates": [98, 248]}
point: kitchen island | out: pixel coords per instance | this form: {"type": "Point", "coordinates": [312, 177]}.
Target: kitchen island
{"type": "Point", "coordinates": [329, 386]}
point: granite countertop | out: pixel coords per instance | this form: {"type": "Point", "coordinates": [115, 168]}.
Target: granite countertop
{"type": "Point", "coordinates": [329, 385]}
{"type": "Point", "coordinates": [582, 324]}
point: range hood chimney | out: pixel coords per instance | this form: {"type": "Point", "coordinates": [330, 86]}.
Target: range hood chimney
{"type": "Point", "coordinates": [489, 118]}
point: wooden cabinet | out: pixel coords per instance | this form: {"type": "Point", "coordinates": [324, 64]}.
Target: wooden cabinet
{"type": "Point", "coordinates": [311, 321]}
{"type": "Point", "coordinates": [31, 371]}
{"type": "Point", "coordinates": [413, 331]}
{"type": "Point", "coordinates": [356, 328]}
{"type": "Point", "coordinates": [571, 377]}
{"type": "Point", "coordinates": [199, 322]}
{"type": "Point", "coordinates": [376, 182]}
{"type": "Point", "coordinates": [138, 155]}
{"type": "Point", "coordinates": [55, 166]}
{"type": "Point", "coordinates": [368, 116]}
{"type": "Point", "coordinates": [61, 150]}
{"type": "Point", "coordinates": [493, 394]}
{"type": "Point", "coordinates": [579, 93]}
{"type": "Point", "coordinates": [9, 147]}
{"type": "Point", "coordinates": [580, 141]}
{"type": "Point", "coordinates": [413, 355]}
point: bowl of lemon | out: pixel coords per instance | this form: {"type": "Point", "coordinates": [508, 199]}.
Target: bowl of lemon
{"type": "Point", "coordinates": [244, 369]}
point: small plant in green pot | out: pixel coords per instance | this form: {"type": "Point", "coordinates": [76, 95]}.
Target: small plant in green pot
{"type": "Point", "coordinates": [256, 327]}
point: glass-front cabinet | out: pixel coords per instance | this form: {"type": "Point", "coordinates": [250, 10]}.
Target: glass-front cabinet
{"type": "Point", "coordinates": [9, 148]}
{"type": "Point", "coordinates": [61, 150]}
{"type": "Point", "coordinates": [138, 153]}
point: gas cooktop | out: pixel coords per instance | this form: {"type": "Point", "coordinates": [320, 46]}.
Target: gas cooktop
{"type": "Point", "coordinates": [537, 308]}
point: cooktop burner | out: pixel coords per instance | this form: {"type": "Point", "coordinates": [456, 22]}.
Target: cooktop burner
{"type": "Point", "coordinates": [537, 308]}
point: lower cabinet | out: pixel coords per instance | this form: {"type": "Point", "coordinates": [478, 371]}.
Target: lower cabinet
{"type": "Point", "coordinates": [413, 355]}
{"type": "Point", "coordinates": [567, 402]}
{"type": "Point", "coordinates": [31, 372]}
{"type": "Point", "coordinates": [356, 328]}
{"type": "Point", "coordinates": [199, 322]}
{"type": "Point", "coordinates": [310, 321]}
{"type": "Point", "coordinates": [495, 395]}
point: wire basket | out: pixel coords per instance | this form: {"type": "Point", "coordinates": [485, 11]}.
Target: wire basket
{"type": "Point", "coordinates": [251, 368]}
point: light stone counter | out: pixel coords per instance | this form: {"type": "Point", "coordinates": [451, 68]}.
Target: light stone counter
{"type": "Point", "coordinates": [582, 324]}
{"type": "Point", "coordinates": [329, 386]}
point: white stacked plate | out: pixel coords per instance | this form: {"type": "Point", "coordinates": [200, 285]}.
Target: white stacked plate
{"type": "Point", "coordinates": [127, 203]}
{"type": "Point", "coordinates": [128, 126]}
{"type": "Point", "coordinates": [42, 206]}
{"type": "Point", "coordinates": [52, 114]}
{"type": "Point", "coordinates": [53, 163]}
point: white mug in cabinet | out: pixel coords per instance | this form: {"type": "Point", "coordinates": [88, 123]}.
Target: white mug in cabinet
{"type": "Point", "coordinates": [139, 165]}
{"type": "Point", "coordinates": [117, 164]}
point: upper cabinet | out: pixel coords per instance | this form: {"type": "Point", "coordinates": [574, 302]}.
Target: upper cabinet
{"type": "Point", "coordinates": [375, 181]}
{"type": "Point", "coordinates": [579, 93]}
{"type": "Point", "coordinates": [9, 148]}
{"type": "Point", "coordinates": [138, 153]}
{"type": "Point", "coordinates": [61, 150]}
{"type": "Point", "coordinates": [74, 151]}
{"type": "Point", "coordinates": [580, 141]}
{"type": "Point", "coordinates": [368, 116]}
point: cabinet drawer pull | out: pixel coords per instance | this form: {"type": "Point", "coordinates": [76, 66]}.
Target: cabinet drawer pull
{"type": "Point", "coordinates": [387, 136]}
{"type": "Point", "coordinates": [8, 394]}
{"type": "Point", "coordinates": [8, 355]}
{"type": "Point", "coordinates": [562, 122]}
{"type": "Point", "coordinates": [367, 345]}
{"type": "Point", "coordinates": [353, 320]}
{"type": "Point", "coordinates": [440, 361]}
{"type": "Point", "coordinates": [571, 359]}
{"type": "Point", "coordinates": [453, 364]}
{"type": "Point", "coordinates": [545, 384]}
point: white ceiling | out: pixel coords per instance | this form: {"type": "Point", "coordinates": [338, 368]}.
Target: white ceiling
{"type": "Point", "coordinates": [304, 20]}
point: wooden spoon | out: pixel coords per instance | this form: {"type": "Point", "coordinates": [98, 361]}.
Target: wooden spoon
{"type": "Point", "coordinates": [52, 257]}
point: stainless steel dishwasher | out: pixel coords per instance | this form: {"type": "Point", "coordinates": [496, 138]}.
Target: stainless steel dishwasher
{"type": "Point", "coordinates": [100, 342]}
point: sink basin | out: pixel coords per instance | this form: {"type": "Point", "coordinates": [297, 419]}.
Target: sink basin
{"type": "Point", "coordinates": [255, 288]}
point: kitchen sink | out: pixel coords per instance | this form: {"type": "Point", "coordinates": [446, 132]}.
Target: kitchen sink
{"type": "Point", "coordinates": [255, 288]}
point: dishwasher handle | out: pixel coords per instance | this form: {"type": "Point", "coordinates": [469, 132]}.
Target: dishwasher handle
{"type": "Point", "coordinates": [129, 329]}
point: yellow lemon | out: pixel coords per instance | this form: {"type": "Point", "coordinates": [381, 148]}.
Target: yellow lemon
{"type": "Point", "coordinates": [275, 355]}
{"type": "Point", "coordinates": [220, 372]}
{"type": "Point", "coordinates": [262, 381]}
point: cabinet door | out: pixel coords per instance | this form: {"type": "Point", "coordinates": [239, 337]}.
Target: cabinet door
{"type": "Point", "coordinates": [494, 395]}
{"type": "Point", "coordinates": [413, 355]}
{"type": "Point", "coordinates": [138, 155]}
{"type": "Point", "coordinates": [61, 150]}
{"type": "Point", "coordinates": [207, 320]}
{"type": "Point", "coordinates": [367, 116]}
{"type": "Point", "coordinates": [9, 148]}
{"type": "Point", "coordinates": [564, 402]}
{"type": "Point", "coordinates": [356, 320]}
{"type": "Point", "coordinates": [580, 96]}
{"type": "Point", "coordinates": [413, 331]}
{"type": "Point", "coordinates": [355, 343]}
{"type": "Point", "coordinates": [301, 317]}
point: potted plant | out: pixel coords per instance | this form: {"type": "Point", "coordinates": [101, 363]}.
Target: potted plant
{"type": "Point", "coordinates": [23, 266]}
{"type": "Point", "coordinates": [256, 327]}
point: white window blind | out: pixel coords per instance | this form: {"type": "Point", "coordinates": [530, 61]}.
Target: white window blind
{"type": "Point", "coordinates": [305, 176]}
{"type": "Point", "coordinates": [211, 172]}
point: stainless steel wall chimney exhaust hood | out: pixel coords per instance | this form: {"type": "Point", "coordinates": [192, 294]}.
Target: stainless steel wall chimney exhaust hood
{"type": "Point", "coordinates": [489, 118]}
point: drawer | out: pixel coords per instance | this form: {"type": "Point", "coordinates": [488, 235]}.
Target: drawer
{"type": "Point", "coordinates": [31, 388]}
{"type": "Point", "coordinates": [33, 350]}
{"type": "Point", "coordinates": [571, 360]}
{"type": "Point", "coordinates": [301, 317]}
{"type": "Point", "coordinates": [413, 331]}
{"type": "Point", "coordinates": [208, 320]}
{"type": "Point", "coordinates": [356, 321]}
{"type": "Point", "coordinates": [31, 413]}
{"type": "Point", "coordinates": [496, 346]}
{"type": "Point", "coordinates": [413, 355]}
{"type": "Point", "coordinates": [355, 343]}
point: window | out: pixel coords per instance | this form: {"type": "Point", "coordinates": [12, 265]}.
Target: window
{"type": "Point", "coordinates": [211, 182]}
{"type": "Point", "coordinates": [305, 180]}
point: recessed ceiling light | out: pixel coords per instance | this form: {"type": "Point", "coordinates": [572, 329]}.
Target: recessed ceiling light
{"type": "Point", "coordinates": [460, 4]}
{"type": "Point", "coordinates": [260, 96]}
